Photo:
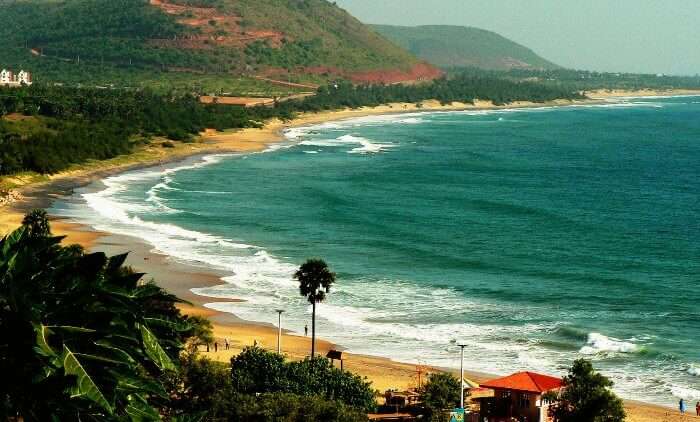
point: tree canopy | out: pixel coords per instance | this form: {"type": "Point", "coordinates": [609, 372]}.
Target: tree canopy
{"type": "Point", "coordinates": [440, 394]}
{"type": "Point", "coordinates": [256, 371]}
{"type": "Point", "coordinates": [586, 397]}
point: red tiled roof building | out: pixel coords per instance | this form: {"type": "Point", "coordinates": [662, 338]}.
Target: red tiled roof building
{"type": "Point", "coordinates": [518, 396]}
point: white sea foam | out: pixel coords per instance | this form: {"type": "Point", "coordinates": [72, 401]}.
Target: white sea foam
{"type": "Point", "coordinates": [412, 121]}
{"type": "Point", "coordinates": [366, 146]}
{"type": "Point", "coordinates": [694, 370]}
{"type": "Point", "coordinates": [684, 392]}
{"type": "Point", "coordinates": [295, 133]}
{"type": "Point", "coordinates": [598, 343]}
{"type": "Point", "coordinates": [321, 143]}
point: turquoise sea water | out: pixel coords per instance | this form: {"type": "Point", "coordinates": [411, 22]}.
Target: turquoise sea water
{"type": "Point", "coordinates": [535, 236]}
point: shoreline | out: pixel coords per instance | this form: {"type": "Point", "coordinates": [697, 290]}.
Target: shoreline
{"type": "Point", "coordinates": [179, 278]}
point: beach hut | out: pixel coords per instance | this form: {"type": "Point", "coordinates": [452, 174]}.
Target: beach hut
{"type": "Point", "coordinates": [516, 397]}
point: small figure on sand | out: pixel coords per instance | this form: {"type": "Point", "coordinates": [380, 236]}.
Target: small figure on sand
{"type": "Point", "coordinates": [306, 330]}
{"type": "Point", "coordinates": [226, 343]}
{"type": "Point", "coordinates": [681, 406]}
{"type": "Point", "coordinates": [697, 409]}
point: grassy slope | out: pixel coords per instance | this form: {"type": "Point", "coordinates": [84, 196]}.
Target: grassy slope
{"type": "Point", "coordinates": [347, 43]}
{"type": "Point", "coordinates": [129, 42]}
{"type": "Point", "coordinates": [457, 46]}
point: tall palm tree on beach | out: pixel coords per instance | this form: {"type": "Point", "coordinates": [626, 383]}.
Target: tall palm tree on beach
{"type": "Point", "coordinates": [315, 280]}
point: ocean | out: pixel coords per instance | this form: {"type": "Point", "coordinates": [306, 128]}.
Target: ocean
{"type": "Point", "coordinates": [534, 236]}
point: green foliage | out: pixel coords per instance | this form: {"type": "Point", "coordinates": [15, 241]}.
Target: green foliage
{"type": "Point", "coordinates": [582, 80]}
{"type": "Point", "coordinates": [586, 397]}
{"type": "Point", "coordinates": [285, 407]}
{"type": "Point", "coordinates": [45, 22]}
{"type": "Point", "coordinates": [315, 280]}
{"type": "Point", "coordinates": [36, 223]}
{"type": "Point", "coordinates": [201, 387]}
{"type": "Point", "coordinates": [335, 38]}
{"type": "Point", "coordinates": [256, 371]}
{"type": "Point", "coordinates": [461, 87]}
{"type": "Point", "coordinates": [440, 395]}
{"type": "Point", "coordinates": [458, 46]}
{"type": "Point", "coordinates": [290, 55]}
{"type": "Point", "coordinates": [75, 125]}
{"type": "Point", "coordinates": [81, 337]}
{"type": "Point", "coordinates": [202, 331]}
{"type": "Point", "coordinates": [217, 393]}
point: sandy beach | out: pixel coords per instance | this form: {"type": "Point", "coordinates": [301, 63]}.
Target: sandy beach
{"type": "Point", "coordinates": [619, 93]}
{"type": "Point", "coordinates": [179, 278]}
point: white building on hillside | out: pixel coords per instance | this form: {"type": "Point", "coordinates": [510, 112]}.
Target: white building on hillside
{"type": "Point", "coordinates": [9, 78]}
{"type": "Point", "coordinates": [24, 77]}
{"type": "Point", "coordinates": [6, 77]}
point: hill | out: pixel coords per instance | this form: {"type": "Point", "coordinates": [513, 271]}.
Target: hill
{"type": "Point", "coordinates": [458, 46]}
{"type": "Point", "coordinates": [113, 41]}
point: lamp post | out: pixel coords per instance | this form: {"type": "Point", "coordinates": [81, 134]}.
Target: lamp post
{"type": "Point", "coordinates": [279, 330]}
{"type": "Point", "coordinates": [461, 375]}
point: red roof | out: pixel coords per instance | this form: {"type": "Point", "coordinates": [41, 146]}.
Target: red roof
{"type": "Point", "coordinates": [525, 381]}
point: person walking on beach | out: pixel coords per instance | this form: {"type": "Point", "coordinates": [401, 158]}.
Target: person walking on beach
{"type": "Point", "coordinates": [306, 330]}
{"type": "Point", "coordinates": [226, 343]}
{"type": "Point", "coordinates": [697, 409]}
{"type": "Point", "coordinates": [681, 406]}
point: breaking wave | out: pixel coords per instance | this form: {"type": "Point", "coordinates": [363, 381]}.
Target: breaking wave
{"type": "Point", "coordinates": [598, 343]}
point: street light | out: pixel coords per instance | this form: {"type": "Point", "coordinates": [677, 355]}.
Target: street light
{"type": "Point", "coordinates": [279, 330]}
{"type": "Point", "coordinates": [461, 375]}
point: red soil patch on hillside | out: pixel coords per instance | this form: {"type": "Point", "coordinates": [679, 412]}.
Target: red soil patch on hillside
{"type": "Point", "coordinates": [214, 27]}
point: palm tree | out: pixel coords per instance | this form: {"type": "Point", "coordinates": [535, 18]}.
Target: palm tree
{"type": "Point", "coordinates": [37, 223]}
{"type": "Point", "coordinates": [315, 280]}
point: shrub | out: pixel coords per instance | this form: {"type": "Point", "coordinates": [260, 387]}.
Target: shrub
{"type": "Point", "coordinates": [256, 371]}
{"type": "Point", "coordinates": [286, 407]}
{"type": "Point", "coordinates": [440, 394]}
{"type": "Point", "coordinates": [586, 397]}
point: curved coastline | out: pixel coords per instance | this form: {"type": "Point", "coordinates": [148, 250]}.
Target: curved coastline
{"type": "Point", "coordinates": [180, 278]}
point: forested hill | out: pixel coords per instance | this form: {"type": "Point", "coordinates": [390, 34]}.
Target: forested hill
{"type": "Point", "coordinates": [299, 40]}
{"type": "Point", "coordinates": [459, 46]}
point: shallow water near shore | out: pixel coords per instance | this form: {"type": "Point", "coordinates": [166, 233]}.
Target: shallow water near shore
{"type": "Point", "coordinates": [536, 236]}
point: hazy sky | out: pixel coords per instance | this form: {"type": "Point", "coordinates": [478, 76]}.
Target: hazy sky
{"type": "Point", "coordinates": [651, 36]}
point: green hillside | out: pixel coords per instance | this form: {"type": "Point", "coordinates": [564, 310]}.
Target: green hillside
{"type": "Point", "coordinates": [131, 41]}
{"type": "Point", "coordinates": [458, 46]}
